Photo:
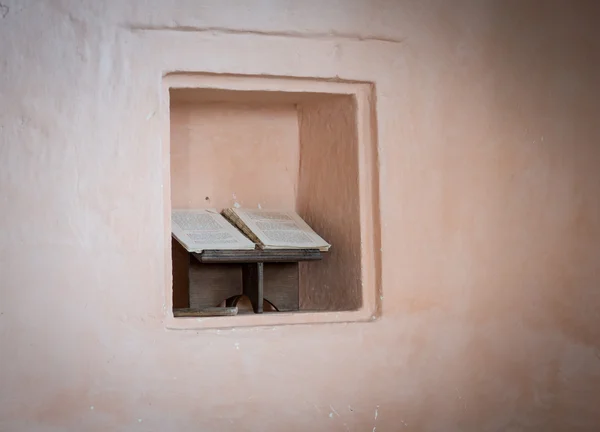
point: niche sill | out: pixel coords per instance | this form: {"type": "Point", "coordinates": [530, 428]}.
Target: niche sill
{"type": "Point", "coordinates": [267, 319]}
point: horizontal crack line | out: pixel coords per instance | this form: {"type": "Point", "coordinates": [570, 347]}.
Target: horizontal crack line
{"type": "Point", "coordinates": [291, 34]}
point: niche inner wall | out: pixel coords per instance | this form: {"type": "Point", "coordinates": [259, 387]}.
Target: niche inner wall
{"type": "Point", "coordinates": [232, 153]}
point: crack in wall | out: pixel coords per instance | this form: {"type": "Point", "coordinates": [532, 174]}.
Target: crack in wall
{"type": "Point", "coordinates": [289, 34]}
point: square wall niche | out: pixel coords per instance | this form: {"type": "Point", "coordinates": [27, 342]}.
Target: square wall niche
{"type": "Point", "coordinates": [300, 144]}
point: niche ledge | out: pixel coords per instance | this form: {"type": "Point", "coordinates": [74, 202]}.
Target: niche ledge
{"type": "Point", "coordinates": [290, 143]}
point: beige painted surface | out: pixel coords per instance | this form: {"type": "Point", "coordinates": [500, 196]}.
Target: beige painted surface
{"type": "Point", "coordinates": [489, 168]}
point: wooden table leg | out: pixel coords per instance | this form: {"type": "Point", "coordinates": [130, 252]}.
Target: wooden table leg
{"type": "Point", "coordinates": [252, 284]}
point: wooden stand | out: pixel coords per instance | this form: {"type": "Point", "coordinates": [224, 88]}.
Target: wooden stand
{"type": "Point", "coordinates": [207, 279]}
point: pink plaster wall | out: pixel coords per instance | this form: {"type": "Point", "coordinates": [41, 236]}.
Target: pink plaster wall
{"type": "Point", "coordinates": [328, 199]}
{"type": "Point", "coordinates": [231, 153]}
{"type": "Point", "coordinates": [489, 168]}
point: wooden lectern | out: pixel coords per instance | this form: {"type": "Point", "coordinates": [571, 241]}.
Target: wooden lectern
{"type": "Point", "coordinates": [204, 280]}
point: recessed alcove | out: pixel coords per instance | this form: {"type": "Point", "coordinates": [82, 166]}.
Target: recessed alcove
{"type": "Point", "coordinates": [304, 145]}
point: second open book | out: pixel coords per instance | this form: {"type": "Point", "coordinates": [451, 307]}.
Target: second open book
{"type": "Point", "coordinates": [207, 229]}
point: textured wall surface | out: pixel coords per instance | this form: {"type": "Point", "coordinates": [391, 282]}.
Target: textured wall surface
{"type": "Point", "coordinates": [489, 169]}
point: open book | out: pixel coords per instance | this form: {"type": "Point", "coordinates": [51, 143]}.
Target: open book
{"type": "Point", "coordinates": [272, 229]}
{"type": "Point", "coordinates": [199, 230]}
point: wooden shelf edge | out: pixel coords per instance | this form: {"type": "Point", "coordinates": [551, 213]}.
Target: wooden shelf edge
{"type": "Point", "coordinates": [255, 256]}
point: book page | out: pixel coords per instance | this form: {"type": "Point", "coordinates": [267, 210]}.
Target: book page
{"type": "Point", "coordinates": [199, 230]}
{"type": "Point", "coordinates": [281, 229]}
